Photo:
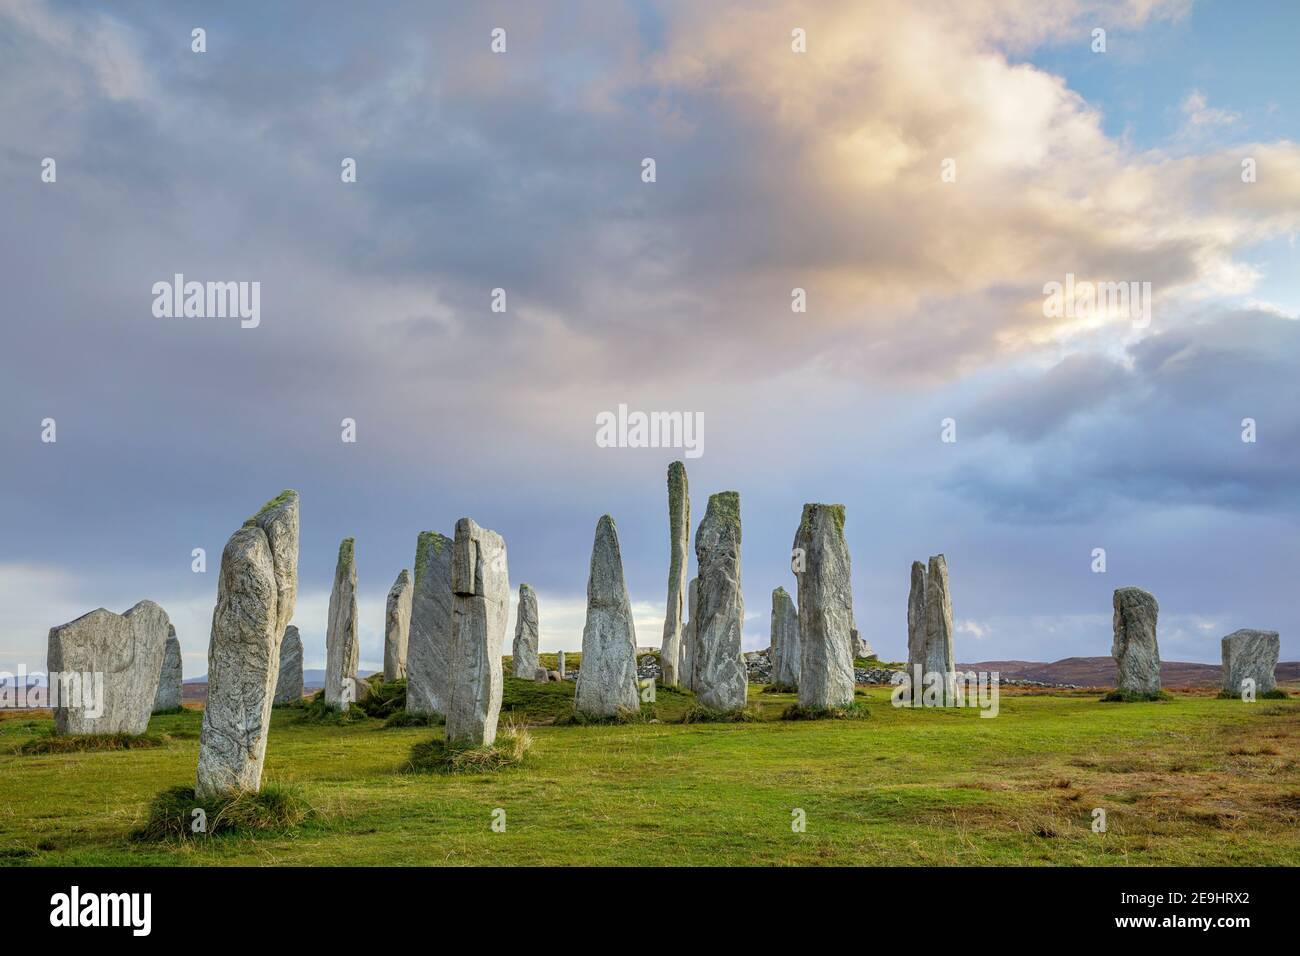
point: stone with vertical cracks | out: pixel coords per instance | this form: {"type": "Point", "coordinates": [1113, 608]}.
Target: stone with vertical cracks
{"type": "Point", "coordinates": [825, 609]}
{"type": "Point", "coordinates": [288, 687]}
{"type": "Point", "coordinates": [397, 627]}
{"type": "Point", "coordinates": [785, 640]}
{"type": "Point", "coordinates": [428, 652]}
{"type": "Point", "coordinates": [341, 649]}
{"type": "Point", "coordinates": [607, 680]}
{"type": "Point", "coordinates": [687, 671]}
{"type": "Point", "coordinates": [524, 650]}
{"type": "Point", "coordinates": [256, 593]}
{"type": "Point", "coordinates": [720, 677]}
{"type": "Point", "coordinates": [679, 533]}
{"type": "Point", "coordinates": [1134, 646]}
{"type": "Point", "coordinates": [1250, 654]}
{"type": "Point", "coordinates": [108, 666]}
{"type": "Point", "coordinates": [171, 677]}
{"type": "Point", "coordinates": [480, 589]}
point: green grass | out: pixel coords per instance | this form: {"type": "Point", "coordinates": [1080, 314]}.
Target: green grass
{"type": "Point", "coordinates": [854, 711]}
{"type": "Point", "coordinates": [1134, 697]}
{"type": "Point", "coordinates": [79, 743]}
{"type": "Point", "coordinates": [1193, 781]}
{"type": "Point", "coordinates": [509, 750]}
{"type": "Point", "coordinates": [171, 815]}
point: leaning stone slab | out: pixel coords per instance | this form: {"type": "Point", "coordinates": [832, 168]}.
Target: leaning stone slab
{"type": "Point", "coordinates": [397, 627]}
{"type": "Point", "coordinates": [1250, 654]}
{"type": "Point", "coordinates": [108, 666]}
{"type": "Point", "coordinates": [524, 651]}
{"type": "Point", "coordinates": [607, 680]}
{"type": "Point", "coordinates": [1134, 646]}
{"type": "Point", "coordinates": [785, 640]}
{"type": "Point", "coordinates": [256, 593]}
{"type": "Point", "coordinates": [825, 609]}
{"type": "Point", "coordinates": [288, 687]}
{"type": "Point", "coordinates": [480, 605]}
{"type": "Point", "coordinates": [428, 652]}
{"type": "Point", "coordinates": [721, 679]}
{"type": "Point", "coordinates": [171, 678]}
{"type": "Point", "coordinates": [679, 533]}
{"type": "Point", "coordinates": [341, 648]}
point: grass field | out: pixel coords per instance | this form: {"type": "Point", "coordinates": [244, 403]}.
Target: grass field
{"type": "Point", "coordinates": [1193, 781]}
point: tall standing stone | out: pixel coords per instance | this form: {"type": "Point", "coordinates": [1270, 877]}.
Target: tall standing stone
{"type": "Point", "coordinates": [559, 664]}
{"type": "Point", "coordinates": [397, 627]}
{"type": "Point", "coordinates": [1250, 654]}
{"type": "Point", "coordinates": [825, 609]}
{"type": "Point", "coordinates": [108, 666]}
{"type": "Point", "coordinates": [480, 588]}
{"type": "Point", "coordinates": [916, 622]}
{"type": "Point", "coordinates": [607, 680]}
{"type": "Point", "coordinates": [256, 594]}
{"type": "Point", "coordinates": [679, 533]}
{"type": "Point", "coordinates": [785, 640]}
{"type": "Point", "coordinates": [428, 653]}
{"type": "Point", "coordinates": [524, 651]}
{"type": "Point", "coordinates": [288, 686]}
{"type": "Point", "coordinates": [686, 672]}
{"type": "Point", "coordinates": [341, 649]}
{"type": "Point", "coordinates": [720, 677]}
{"type": "Point", "coordinates": [938, 627]}
{"type": "Point", "coordinates": [1134, 647]}
{"type": "Point", "coordinates": [172, 675]}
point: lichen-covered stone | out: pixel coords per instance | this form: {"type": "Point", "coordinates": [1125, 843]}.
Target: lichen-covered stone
{"type": "Point", "coordinates": [288, 686]}
{"type": "Point", "coordinates": [256, 592]}
{"type": "Point", "coordinates": [342, 651]}
{"type": "Point", "coordinates": [108, 666]}
{"type": "Point", "coordinates": [428, 651]}
{"type": "Point", "coordinates": [720, 678]}
{"type": "Point", "coordinates": [171, 678]}
{"type": "Point", "coordinates": [785, 651]}
{"type": "Point", "coordinates": [938, 627]}
{"type": "Point", "coordinates": [679, 533]}
{"type": "Point", "coordinates": [916, 620]}
{"type": "Point", "coordinates": [1134, 646]}
{"type": "Point", "coordinates": [397, 627]}
{"type": "Point", "coordinates": [825, 609]}
{"type": "Point", "coordinates": [480, 588]}
{"type": "Point", "coordinates": [607, 680]}
{"type": "Point", "coordinates": [524, 650]}
{"type": "Point", "coordinates": [1250, 654]}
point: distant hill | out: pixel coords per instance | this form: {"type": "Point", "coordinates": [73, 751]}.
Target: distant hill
{"type": "Point", "coordinates": [1100, 671]}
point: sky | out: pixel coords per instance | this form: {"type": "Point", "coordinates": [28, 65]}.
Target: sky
{"type": "Point", "coordinates": [922, 172]}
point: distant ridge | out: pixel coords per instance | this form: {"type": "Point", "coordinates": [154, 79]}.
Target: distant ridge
{"type": "Point", "coordinates": [1100, 671]}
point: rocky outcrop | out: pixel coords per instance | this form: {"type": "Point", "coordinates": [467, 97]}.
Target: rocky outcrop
{"type": "Point", "coordinates": [288, 686]}
{"type": "Point", "coordinates": [679, 533]}
{"type": "Point", "coordinates": [341, 648]}
{"type": "Point", "coordinates": [168, 696]}
{"type": "Point", "coordinates": [825, 609]}
{"type": "Point", "coordinates": [480, 588]}
{"type": "Point", "coordinates": [719, 675]}
{"type": "Point", "coordinates": [397, 627]}
{"type": "Point", "coordinates": [607, 680]}
{"type": "Point", "coordinates": [785, 640]}
{"type": "Point", "coordinates": [1134, 646]}
{"type": "Point", "coordinates": [1249, 654]}
{"type": "Point", "coordinates": [524, 651]}
{"type": "Point", "coordinates": [428, 652]}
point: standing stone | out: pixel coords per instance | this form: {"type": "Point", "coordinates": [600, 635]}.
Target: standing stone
{"type": "Point", "coordinates": [825, 609]}
{"type": "Point", "coordinates": [687, 669]}
{"type": "Point", "coordinates": [785, 640]}
{"type": "Point", "coordinates": [524, 650]}
{"type": "Point", "coordinates": [938, 628]}
{"type": "Point", "coordinates": [559, 663]}
{"type": "Point", "coordinates": [397, 627]}
{"type": "Point", "coordinates": [256, 594]}
{"type": "Point", "coordinates": [341, 649]}
{"type": "Point", "coordinates": [170, 679]}
{"type": "Point", "coordinates": [720, 677]}
{"type": "Point", "coordinates": [480, 606]}
{"type": "Point", "coordinates": [428, 653]}
{"type": "Point", "coordinates": [1253, 654]}
{"type": "Point", "coordinates": [1134, 647]}
{"type": "Point", "coordinates": [108, 666]}
{"type": "Point", "coordinates": [607, 680]}
{"type": "Point", "coordinates": [916, 622]}
{"type": "Point", "coordinates": [288, 687]}
{"type": "Point", "coordinates": [859, 646]}
{"type": "Point", "coordinates": [679, 533]}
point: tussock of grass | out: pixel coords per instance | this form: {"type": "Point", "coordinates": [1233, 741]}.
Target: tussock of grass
{"type": "Point", "coordinates": [403, 719]}
{"type": "Point", "coordinates": [1132, 697]}
{"type": "Point", "coordinates": [699, 714]}
{"type": "Point", "coordinates": [434, 756]}
{"type": "Point", "coordinates": [275, 808]}
{"type": "Point", "coordinates": [1277, 693]}
{"type": "Point", "coordinates": [316, 711]}
{"type": "Point", "coordinates": [854, 711]}
{"type": "Point", "coordinates": [579, 719]}
{"type": "Point", "coordinates": [79, 743]}
{"type": "Point", "coordinates": [386, 699]}
{"type": "Point", "coordinates": [168, 711]}
{"type": "Point", "coordinates": [778, 688]}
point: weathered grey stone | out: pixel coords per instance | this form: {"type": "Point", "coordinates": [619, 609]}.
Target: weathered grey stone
{"type": "Point", "coordinates": [428, 652]}
{"type": "Point", "coordinates": [938, 628]}
{"type": "Point", "coordinates": [108, 666]}
{"type": "Point", "coordinates": [859, 646]}
{"type": "Point", "coordinates": [1250, 654]}
{"type": "Point", "coordinates": [559, 663]}
{"type": "Point", "coordinates": [825, 609]}
{"type": "Point", "coordinates": [541, 675]}
{"type": "Point", "coordinates": [171, 678]}
{"type": "Point", "coordinates": [480, 588]}
{"type": "Point", "coordinates": [524, 651]}
{"type": "Point", "coordinates": [341, 648]}
{"type": "Point", "coordinates": [679, 533]}
{"type": "Point", "coordinates": [785, 651]}
{"type": "Point", "coordinates": [554, 677]}
{"type": "Point", "coordinates": [720, 677]}
{"type": "Point", "coordinates": [288, 686]}
{"type": "Point", "coordinates": [397, 627]}
{"type": "Point", "coordinates": [256, 593]}
{"type": "Point", "coordinates": [916, 620]}
{"type": "Point", "coordinates": [1134, 647]}
{"type": "Point", "coordinates": [607, 679]}
{"type": "Point", "coordinates": [686, 673]}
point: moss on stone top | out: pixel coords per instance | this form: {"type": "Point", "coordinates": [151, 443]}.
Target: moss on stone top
{"type": "Point", "coordinates": [425, 541]}
{"type": "Point", "coordinates": [282, 498]}
{"type": "Point", "coordinates": [725, 506]}
{"type": "Point", "coordinates": [346, 549]}
{"type": "Point", "coordinates": [836, 512]}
